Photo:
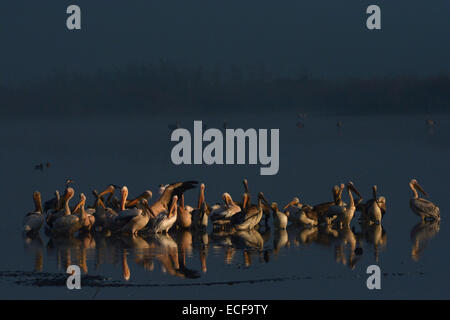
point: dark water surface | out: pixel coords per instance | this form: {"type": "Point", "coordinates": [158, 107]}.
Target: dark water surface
{"type": "Point", "coordinates": [264, 264]}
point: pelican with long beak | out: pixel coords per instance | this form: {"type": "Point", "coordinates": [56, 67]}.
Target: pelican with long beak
{"type": "Point", "coordinates": [118, 220]}
{"type": "Point", "coordinates": [132, 224]}
{"type": "Point", "coordinates": [247, 195]}
{"type": "Point", "coordinates": [249, 217]}
{"type": "Point", "coordinates": [164, 221]}
{"type": "Point", "coordinates": [102, 214]}
{"type": "Point", "coordinates": [111, 201]}
{"type": "Point", "coordinates": [346, 213]}
{"type": "Point", "coordinates": [200, 217]}
{"type": "Point", "coordinates": [425, 209]}
{"type": "Point", "coordinates": [293, 206]}
{"type": "Point", "coordinates": [374, 209]}
{"type": "Point", "coordinates": [147, 195]}
{"type": "Point", "coordinates": [300, 213]}
{"type": "Point", "coordinates": [87, 220]}
{"type": "Point", "coordinates": [164, 203]}
{"type": "Point", "coordinates": [59, 210]}
{"type": "Point", "coordinates": [33, 221]}
{"type": "Point", "coordinates": [320, 212]}
{"type": "Point", "coordinates": [201, 214]}
{"type": "Point", "coordinates": [221, 214]}
{"type": "Point", "coordinates": [55, 204]}
{"type": "Point", "coordinates": [280, 219]}
{"type": "Point", "coordinates": [133, 211]}
{"type": "Point", "coordinates": [184, 216]}
{"type": "Point", "coordinates": [68, 223]}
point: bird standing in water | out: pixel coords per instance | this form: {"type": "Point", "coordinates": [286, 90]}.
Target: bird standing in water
{"type": "Point", "coordinates": [33, 221]}
{"type": "Point", "coordinates": [425, 209]}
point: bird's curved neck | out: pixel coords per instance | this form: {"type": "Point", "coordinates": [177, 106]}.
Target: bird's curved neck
{"type": "Point", "coordinates": [245, 201]}
{"type": "Point", "coordinates": [37, 204]}
{"type": "Point", "coordinates": [173, 209]}
{"type": "Point", "coordinates": [58, 202]}
{"type": "Point", "coordinates": [274, 207]}
{"type": "Point", "coordinates": [415, 194]}
{"type": "Point", "coordinates": [66, 206]}
{"type": "Point", "coordinates": [201, 198]}
{"type": "Point", "coordinates": [351, 202]}
{"type": "Point", "coordinates": [260, 204]}
{"type": "Point", "coordinates": [123, 201]}
{"type": "Point", "coordinates": [82, 211]}
{"type": "Point", "coordinates": [182, 202]}
{"type": "Point", "coordinates": [136, 200]}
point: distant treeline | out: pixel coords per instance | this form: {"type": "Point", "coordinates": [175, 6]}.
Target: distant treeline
{"type": "Point", "coordinates": [170, 88]}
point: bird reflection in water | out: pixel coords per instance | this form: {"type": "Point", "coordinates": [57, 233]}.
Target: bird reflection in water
{"type": "Point", "coordinates": [421, 234]}
{"type": "Point", "coordinates": [280, 240]}
{"type": "Point", "coordinates": [35, 247]}
{"type": "Point", "coordinates": [179, 252]}
{"type": "Point", "coordinates": [373, 234]}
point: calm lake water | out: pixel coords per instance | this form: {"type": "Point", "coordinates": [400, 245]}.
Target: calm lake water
{"type": "Point", "coordinates": [263, 264]}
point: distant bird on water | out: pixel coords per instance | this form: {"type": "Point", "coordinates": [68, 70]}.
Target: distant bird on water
{"type": "Point", "coordinates": [41, 166]}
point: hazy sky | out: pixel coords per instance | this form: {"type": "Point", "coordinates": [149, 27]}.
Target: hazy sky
{"type": "Point", "coordinates": [325, 37]}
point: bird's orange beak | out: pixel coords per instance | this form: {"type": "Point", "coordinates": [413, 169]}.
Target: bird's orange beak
{"type": "Point", "coordinates": [418, 186]}
{"type": "Point", "coordinates": [292, 203]}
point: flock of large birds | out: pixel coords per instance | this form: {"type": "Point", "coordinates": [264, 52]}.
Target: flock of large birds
{"type": "Point", "coordinates": [136, 216]}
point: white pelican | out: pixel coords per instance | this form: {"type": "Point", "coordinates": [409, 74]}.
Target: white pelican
{"type": "Point", "coordinates": [164, 202]}
{"type": "Point", "coordinates": [345, 213]}
{"type": "Point", "coordinates": [33, 221]}
{"type": "Point", "coordinates": [338, 210]}
{"type": "Point", "coordinates": [68, 223]}
{"type": "Point", "coordinates": [123, 210]}
{"type": "Point", "coordinates": [87, 220]}
{"type": "Point", "coordinates": [164, 221]}
{"type": "Point", "coordinates": [423, 208]}
{"type": "Point", "coordinates": [374, 209]}
{"type": "Point", "coordinates": [299, 213]}
{"type": "Point", "coordinates": [293, 207]}
{"type": "Point", "coordinates": [306, 217]}
{"type": "Point", "coordinates": [280, 219]}
{"type": "Point", "coordinates": [201, 213]}
{"type": "Point", "coordinates": [221, 214]}
{"type": "Point", "coordinates": [320, 212]}
{"type": "Point", "coordinates": [162, 188]}
{"type": "Point", "coordinates": [111, 201]}
{"type": "Point", "coordinates": [249, 217]}
{"type": "Point", "coordinates": [122, 220]}
{"type": "Point", "coordinates": [59, 210]}
{"type": "Point", "coordinates": [132, 224]}
{"type": "Point", "coordinates": [101, 214]}
{"type": "Point", "coordinates": [55, 204]}
{"type": "Point", "coordinates": [184, 217]}
{"type": "Point", "coordinates": [200, 217]}
{"type": "Point", "coordinates": [147, 194]}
